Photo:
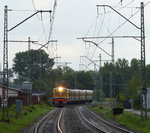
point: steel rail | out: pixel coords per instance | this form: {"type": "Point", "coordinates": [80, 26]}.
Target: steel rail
{"type": "Point", "coordinates": [89, 124]}
{"type": "Point", "coordinates": [59, 130]}
{"type": "Point", "coordinates": [108, 123]}
{"type": "Point", "coordinates": [36, 129]}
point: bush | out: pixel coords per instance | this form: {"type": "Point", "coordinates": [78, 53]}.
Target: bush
{"type": "Point", "coordinates": [25, 113]}
{"type": "Point", "coordinates": [117, 110]}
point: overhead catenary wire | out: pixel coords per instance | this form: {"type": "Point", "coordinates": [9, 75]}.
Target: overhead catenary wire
{"type": "Point", "coordinates": [120, 8]}
{"type": "Point", "coordinates": [52, 19]}
{"type": "Point", "coordinates": [114, 31]}
{"type": "Point", "coordinates": [102, 22]}
{"type": "Point", "coordinates": [35, 9]}
{"type": "Point", "coordinates": [104, 9]}
{"type": "Point", "coordinates": [51, 24]}
{"type": "Point", "coordinates": [43, 27]}
{"type": "Point", "coordinates": [40, 19]}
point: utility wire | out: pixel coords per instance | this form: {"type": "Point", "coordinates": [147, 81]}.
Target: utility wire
{"type": "Point", "coordinates": [52, 19]}
{"type": "Point", "coordinates": [41, 19]}
{"type": "Point", "coordinates": [147, 3]}
{"type": "Point", "coordinates": [101, 25]}
{"type": "Point", "coordinates": [123, 23]}
{"type": "Point", "coordinates": [110, 11]}
{"type": "Point", "coordinates": [51, 24]}
{"type": "Point", "coordinates": [43, 27]}
{"type": "Point", "coordinates": [35, 9]}
{"type": "Point", "coordinates": [114, 31]}
{"type": "Point", "coordinates": [103, 22]}
{"type": "Point", "coordinates": [91, 26]}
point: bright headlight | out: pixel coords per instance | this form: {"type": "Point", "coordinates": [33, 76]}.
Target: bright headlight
{"type": "Point", "coordinates": [60, 89]}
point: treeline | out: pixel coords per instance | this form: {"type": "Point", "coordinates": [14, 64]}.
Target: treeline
{"type": "Point", "coordinates": [123, 79]}
{"type": "Point", "coordinates": [126, 79]}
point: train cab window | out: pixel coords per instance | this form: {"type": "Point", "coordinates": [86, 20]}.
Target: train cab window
{"type": "Point", "coordinates": [63, 93]}
{"type": "Point", "coordinates": [56, 93]}
{"type": "Point", "coordinates": [60, 93]}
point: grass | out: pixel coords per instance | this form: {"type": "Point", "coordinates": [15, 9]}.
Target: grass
{"type": "Point", "coordinates": [28, 116]}
{"type": "Point", "coordinates": [133, 121]}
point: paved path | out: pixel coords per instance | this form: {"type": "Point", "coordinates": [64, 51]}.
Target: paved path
{"type": "Point", "coordinates": [137, 111]}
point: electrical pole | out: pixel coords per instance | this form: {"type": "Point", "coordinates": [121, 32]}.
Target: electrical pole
{"type": "Point", "coordinates": [29, 72]}
{"type": "Point", "coordinates": [111, 71]}
{"type": "Point", "coordinates": [142, 40]}
{"type": "Point", "coordinates": [29, 43]}
{"type": "Point", "coordinates": [143, 71]}
{"type": "Point", "coordinates": [101, 80]}
{"type": "Point", "coordinates": [5, 115]}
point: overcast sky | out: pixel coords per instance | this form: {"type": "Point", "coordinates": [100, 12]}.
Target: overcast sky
{"type": "Point", "coordinates": [74, 19]}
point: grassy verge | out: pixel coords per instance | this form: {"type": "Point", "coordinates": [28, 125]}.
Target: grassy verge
{"type": "Point", "coordinates": [28, 116]}
{"type": "Point", "coordinates": [133, 121]}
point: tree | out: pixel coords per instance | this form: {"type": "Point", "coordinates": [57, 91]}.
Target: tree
{"type": "Point", "coordinates": [148, 75]}
{"type": "Point", "coordinates": [85, 80]}
{"type": "Point", "coordinates": [33, 64]}
{"type": "Point", "coordinates": [135, 66]}
{"type": "Point", "coordinates": [39, 86]}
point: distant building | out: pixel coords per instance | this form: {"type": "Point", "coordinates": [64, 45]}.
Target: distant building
{"type": "Point", "coordinates": [26, 87]}
{"type": "Point", "coordinates": [11, 91]}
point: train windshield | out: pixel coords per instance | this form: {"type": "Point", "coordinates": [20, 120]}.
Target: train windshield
{"type": "Point", "coordinates": [60, 93]}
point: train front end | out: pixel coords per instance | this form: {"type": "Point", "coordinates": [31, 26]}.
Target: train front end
{"type": "Point", "coordinates": [60, 96]}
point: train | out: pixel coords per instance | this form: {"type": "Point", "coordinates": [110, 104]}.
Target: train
{"type": "Point", "coordinates": [62, 96]}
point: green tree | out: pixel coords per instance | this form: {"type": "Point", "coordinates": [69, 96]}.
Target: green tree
{"type": "Point", "coordinates": [33, 64]}
{"type": "Point", "coordinates": [148, 75]}
{"type": "Point", "coordinates": [135, 66]}
{"type": "Point", "coordinates": [85, 80]}
{"type": "Point", "coordinates": [39, 86]}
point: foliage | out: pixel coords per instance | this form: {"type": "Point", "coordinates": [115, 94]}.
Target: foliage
{"type": "Point", "coordinates": [39, 86]}
{"type": "Point", "coordinates": [126, 77]}
{"type": "Point", "coordinates": [148, 75]}
{"type": "Point", "coordinates": [69, 78]}
{"type": "Point", "coordinates": [121, 97]}
{"type": "Point", "coordinates": [32, 64]}
{"type": "Point", "coordinates": [129, 119]}
{"type": "Point", "coordinates": [28, 116]}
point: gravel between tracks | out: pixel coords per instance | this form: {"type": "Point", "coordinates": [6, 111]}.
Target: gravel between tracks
{"type": "Point", "coordinates": [72, 123]}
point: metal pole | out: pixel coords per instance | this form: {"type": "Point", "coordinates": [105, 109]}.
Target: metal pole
{"type": "Point", "coordinates": [112, 69]}
{"type": "Point", "coordinates": [29, 43]}
{"type": "Point", "coordinates": [100, 83]}
{"type": "Point", "coordinates": [29, 72]}
{"type": "Point", "coordinates": [5, 68]}
{"type": "Point", "coordinates": [143, 70]}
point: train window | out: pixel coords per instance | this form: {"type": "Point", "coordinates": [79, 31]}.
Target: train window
{"type": "Point", "coordinates": [60, 93]}
{"type": "Point", "coordinates": [63, 93]}
{"type": "Point", "coordinates": [57, 93]}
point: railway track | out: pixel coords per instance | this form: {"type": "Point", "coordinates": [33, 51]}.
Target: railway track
{"type": "Point", "coordinates": [50, 122]}
{"type": "Point", "coordinates": [59, 129]}
{"type": "Point", "coordinates": [98, 124]}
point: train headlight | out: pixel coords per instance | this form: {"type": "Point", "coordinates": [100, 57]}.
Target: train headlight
{"type": "Point", "coordinates": [60, 89]}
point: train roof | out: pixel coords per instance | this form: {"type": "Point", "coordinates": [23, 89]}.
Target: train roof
{"type": "Point", "coordinates": [80, 90]}
{"type": "Point", "coordinates": [74, 89]}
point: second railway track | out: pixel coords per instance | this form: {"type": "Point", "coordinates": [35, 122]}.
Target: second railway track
{"type": "Point", "coordinates": [98, 124]}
